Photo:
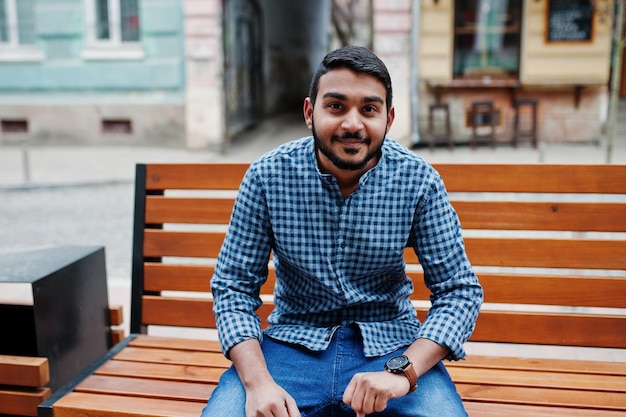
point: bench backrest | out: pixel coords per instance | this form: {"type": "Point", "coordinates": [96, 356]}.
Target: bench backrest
{"type": "Point", "coordinates": [548, 243]}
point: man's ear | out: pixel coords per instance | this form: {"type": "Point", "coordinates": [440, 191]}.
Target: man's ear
{"type": "Point", "coordinates": [390, 116]}
{"type": "Point", "coordinates": [308, 113]}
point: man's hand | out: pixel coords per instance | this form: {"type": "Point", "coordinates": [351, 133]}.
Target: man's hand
{"type": "Point", "coordinates": [264, 397]}
{"type": "Point", "coordinates": [270, 400]}
{"type": "Point", "coordinates": [369, 392]}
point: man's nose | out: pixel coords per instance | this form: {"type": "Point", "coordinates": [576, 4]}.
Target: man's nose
{"type": "Point", "coordinates": [352, 121]}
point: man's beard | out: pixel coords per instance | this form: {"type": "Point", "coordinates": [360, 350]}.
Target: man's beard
{"type": "Point", "coordinates": [336, 159]}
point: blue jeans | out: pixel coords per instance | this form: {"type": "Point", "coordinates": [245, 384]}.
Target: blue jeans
{"type": "Point", "coordinates": [317, 380]}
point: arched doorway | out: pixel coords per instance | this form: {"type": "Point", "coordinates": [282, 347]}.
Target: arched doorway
{"type": "Point", "coordinates": [242, 65]}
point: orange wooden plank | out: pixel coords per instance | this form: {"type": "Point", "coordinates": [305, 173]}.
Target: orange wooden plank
{"type": "Point", "coordinates": [534, 178]}
{"type": "Point", "coordinates": [116, 315]}
{"type": "Point", "coordinates": [541, 289]}
{"type": "Point", "coordinates": [159, 243]}
{"type": "Point", "coordinates": [117, 335]}
{"type": "Point", "coordinates": [185, 312]}
{"type": "Point", "coordinates": [157, 342]}
{"type": "Point", "coordinates": [543, 396]}
{"type": "Point", "coordinates": [167, 372]}
{"type": "Point", "coordinates": [211, 176]}
{"type": "Point", "coordinates": [172, 356]}
{"type": "Point", "coordinates": [22, 402]}
{"type": "Point", "coordinates": [481, 409]}
{"type": "Point", "coordinates": [27, 371]}
{"type": "Point", "coordinates": [551, 329]}
{"type": "Point", "coordinates": [579, 291]}
{"type": "Point", "coordinates": [149, 388]}
{"type": "Point", "coordinates": [538, 379]}
{"type": "Point", "coordinates": [195, 278]}
{"type": "Point", "coordinates": [542, 364]}
{"type": "Point", "coordinates": [543, 253]}
{"type": "Point", "coordinates": [78, 404]}
{"type": "Point", "coordinates": [160, 210]}
{"type": "Point", "coordinates": [518, 215]}
{"type": "Point", "coordinates": [163, 277]}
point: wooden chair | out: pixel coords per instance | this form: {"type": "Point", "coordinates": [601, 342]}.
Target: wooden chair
{"type": "Point", "coordinates": [437, 135]}
{"type": "Point", "coordinates": [480, 109]}
{"type": "Point", "coordinates": [525, 134]}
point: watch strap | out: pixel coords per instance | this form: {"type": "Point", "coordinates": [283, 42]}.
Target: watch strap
{"type": "Point", "coordinates": [411, 375]}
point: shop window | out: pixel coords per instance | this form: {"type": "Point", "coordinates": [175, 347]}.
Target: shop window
{"type": "Point", "coordinates": [14, 126]}
{"type": "Point", "coordinates": [113, 29]}
{"type": "Point", "coordinates": [17, 31]}
{"type": "Point", "coordinates": [487, 38]}
{"type": "Point", "coordinates": [123, 126]}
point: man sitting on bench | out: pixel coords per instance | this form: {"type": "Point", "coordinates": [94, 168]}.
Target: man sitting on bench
{"type": "Point", "coordinates": [337, 210]}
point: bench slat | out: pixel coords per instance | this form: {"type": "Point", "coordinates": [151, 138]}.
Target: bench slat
{"type": "Point", "coordinates": [533, 178]}
{"type": "Point", "coordinates": [482, 409]}
{"type": "Point", "coordinates": [159, 243]}
{"type": "Point", "coordinates": [27, 371]}
{"type": "Point", "coordinates": [540, 289]}
{"type": "Point", "coordinates": [519, 252]}
{"type": "Point", "coordinates": [539, 379]}
{"type": "Point", "coordinates": [79, 404]}
{"type": "Point", "coordinates": [22, 401]}
{"type": "Point", "coordinates": [149, 388]}
{"type": "Point", "coordinates": [176, 343]}
{"type": "Point", "coordinates": [492, 215]}
{"type": "Point", "coordinates": [214, 176]}
{"type": "Point", "coordinates": [172, 356]}
{"type": "Point", "coordinates": [542, 364]}
{"type": "Point", "coordinates": [543, 253]}
{"type": "Point", "coordinates": [513, 215]}
{"type": "Point", "coordinates": [542, 396]}
{"type": "Point", "coordinates": [550, 329]}
{"type": "Point", "coordinates": [536, 178]}
{"type": "Point", "coordinates": [185, 312]}
{"type": "Point", "coordinates": [508, 327]}
{"type": "Point", "coordinates": [161, 210]}
{"type": "Point", "coordinates": [174, 277]}
{"type": "Point", "coordinates": [168, 372]}
{"type": "Point", "coordinates": [116, 315]}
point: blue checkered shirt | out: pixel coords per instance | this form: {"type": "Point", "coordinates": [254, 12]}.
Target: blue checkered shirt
{"type": "Point", "coordinates": [340, 261]}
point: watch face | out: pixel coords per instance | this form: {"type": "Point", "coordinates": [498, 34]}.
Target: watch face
{"type": "Point", "coordinates": [397, 362]}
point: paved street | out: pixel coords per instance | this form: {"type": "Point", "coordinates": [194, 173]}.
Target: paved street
{"type": "Point", "coordinates": [84, 195]}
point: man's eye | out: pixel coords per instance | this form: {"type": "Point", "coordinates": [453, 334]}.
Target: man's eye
{"type": "Point", "coordinates": [334, 106]}
{"type": "Point", "coordinates": [369, 109]}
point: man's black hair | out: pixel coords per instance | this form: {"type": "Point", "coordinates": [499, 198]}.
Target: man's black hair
{"type": "Point", "coordinates": [357, 59]}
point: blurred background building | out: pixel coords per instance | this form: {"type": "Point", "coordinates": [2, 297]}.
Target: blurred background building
{"type": "Point", "coordinates": [197, 73]}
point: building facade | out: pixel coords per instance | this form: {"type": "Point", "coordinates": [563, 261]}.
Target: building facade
{"type": "Point", "coordinates": [92, 71]}
{"type": "Point", "coordinates": [557, 52]}
{"type": "Point", "coordinates": [196, 73]}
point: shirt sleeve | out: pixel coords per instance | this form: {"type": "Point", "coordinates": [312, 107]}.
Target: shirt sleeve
{"type": "Point", "coordinates": [241, 266]}
{"type": "Point", "coordinates": [456, 294]}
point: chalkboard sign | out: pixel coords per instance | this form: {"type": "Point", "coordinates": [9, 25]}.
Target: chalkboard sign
{"type": "Point", "coordinates": [569, 20]}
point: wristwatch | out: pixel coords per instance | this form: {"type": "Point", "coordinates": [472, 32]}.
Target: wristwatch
{"type": "Point", "coordinates": [402, 365]}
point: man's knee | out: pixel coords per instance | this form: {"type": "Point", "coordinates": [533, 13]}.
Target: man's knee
{"type": "Point", "coordinates": [228, 399]}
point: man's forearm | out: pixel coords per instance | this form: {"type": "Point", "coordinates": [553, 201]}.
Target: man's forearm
{"type": "Point", "coordinates": [424, 353]}
{"type": "Point", "coordinates": [249, 361]}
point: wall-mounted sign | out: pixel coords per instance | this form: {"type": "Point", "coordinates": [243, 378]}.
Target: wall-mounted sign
{"type": "Point", "coordinates": [569, 20]}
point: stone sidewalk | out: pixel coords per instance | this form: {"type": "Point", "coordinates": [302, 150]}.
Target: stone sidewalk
{"type": "Point", "coordinates": [33, 167]}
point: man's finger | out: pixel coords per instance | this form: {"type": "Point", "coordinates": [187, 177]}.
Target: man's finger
{"type": "Point", "coordinates": [292, 408]}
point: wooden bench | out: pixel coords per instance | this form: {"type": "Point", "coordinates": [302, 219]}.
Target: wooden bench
{"type": "Point", "coordinates": [23, 382]}
{"type": "Point", "coordinates": [547, 241]}
{"type": "Point", "coordinates": [23, 379]}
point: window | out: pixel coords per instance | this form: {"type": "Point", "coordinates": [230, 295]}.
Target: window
{"type": "Point", "coordinates": [113, 29]}
{"type": "Point", "coordinates": [487, 38]}
{"type": "Point", "coordinates": [17, 31]}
